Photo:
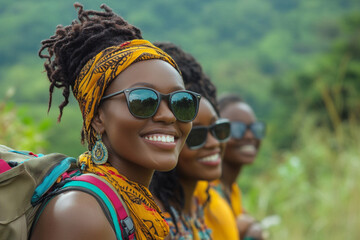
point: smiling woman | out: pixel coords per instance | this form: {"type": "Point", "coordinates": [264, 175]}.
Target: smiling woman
{"type": "Point", "coordinates": [200, 159]}
{"type": "Point", "coordinates": [241, 150]}
{"type": "Point", "coordinates": [100, 56]}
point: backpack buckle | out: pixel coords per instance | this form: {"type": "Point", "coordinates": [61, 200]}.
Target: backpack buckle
{"type": "Point", "coordinates": [128, 227]}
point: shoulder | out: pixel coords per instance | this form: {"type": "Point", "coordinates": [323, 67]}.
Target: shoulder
{"type": "Point", "coordinates": [73, 215]}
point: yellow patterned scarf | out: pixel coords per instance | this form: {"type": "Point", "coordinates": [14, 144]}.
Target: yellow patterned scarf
{"type": "Point", "coordinates": [98, 73]}
{"type": "Point", "coordinates": [148, 220]}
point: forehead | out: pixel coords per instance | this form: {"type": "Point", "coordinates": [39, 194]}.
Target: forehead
{"type": "Point", "coordinates": [239, 111]}
{"type": "Point", "coordinates": [206, 115]}
{"type": "Point", "coordinates": [156, 74]}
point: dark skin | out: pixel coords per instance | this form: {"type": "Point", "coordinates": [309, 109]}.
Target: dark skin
{"type": "Point", "coordinates": [77, 215]}
{"type": "Point", "coordinates": [190, 168]}
{"type": "Point", "coordinates": [238, 153]}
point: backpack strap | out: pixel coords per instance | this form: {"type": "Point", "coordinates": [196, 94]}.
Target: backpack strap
{"type": "Point", "coordinates": [112, 201]}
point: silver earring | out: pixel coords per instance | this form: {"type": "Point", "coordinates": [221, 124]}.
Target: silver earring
{"type": "Point", "coordinates": [99, 153]}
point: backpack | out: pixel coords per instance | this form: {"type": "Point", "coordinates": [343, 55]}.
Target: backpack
{"type": "Point", "coordinates": [28, 182]}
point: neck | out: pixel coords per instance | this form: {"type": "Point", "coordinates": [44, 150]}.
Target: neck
{"type": "Point", "coordinates": [132, 171]}
{"type": "Point", "coordinates": [189, 188]}
{"type": "Point", "coordinates": [230, 172]}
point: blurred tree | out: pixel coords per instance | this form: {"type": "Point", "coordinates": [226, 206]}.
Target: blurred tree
{"type": "Point", "coordinates": [329, 88]}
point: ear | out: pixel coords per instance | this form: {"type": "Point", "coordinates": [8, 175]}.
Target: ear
{"type": "Point", "coordinates": [98, 122]}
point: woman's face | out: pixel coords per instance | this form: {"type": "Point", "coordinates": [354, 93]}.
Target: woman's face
{"type": "Point", "coordinates": [203, 163]}
{"type": "Point", "coordinates": [244, 150]}
{"type": "Point", "coordinates": [128, 138]}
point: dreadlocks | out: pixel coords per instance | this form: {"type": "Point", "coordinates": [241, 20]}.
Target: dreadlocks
{"type": "Point", "coordinates": [72, 46]}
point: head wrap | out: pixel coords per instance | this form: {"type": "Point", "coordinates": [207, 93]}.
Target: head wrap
{"type": "Point", "coordinates": [101, 70]}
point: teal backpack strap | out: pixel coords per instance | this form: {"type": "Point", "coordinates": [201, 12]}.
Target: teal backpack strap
{"type": "Point", "coordinates": [94, 191]}
{"type": "Point", "coordinates": [125, 222]}
{"type": "Point", "coordinates": [98, 194]}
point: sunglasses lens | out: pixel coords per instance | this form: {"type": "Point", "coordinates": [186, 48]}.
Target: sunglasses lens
{"type": "Point", "coordinates": [221, 131]}
{"type": "Point", "coordinates": [143, 102]}
{"type": "Point", "coordinates": [237, 130]}
{"type": "Point", "coordinates": [258, 128]}
{"type": "Point", "coordinates": [197, 137]}
{"type": "Point", "coordinates": [184, 106]}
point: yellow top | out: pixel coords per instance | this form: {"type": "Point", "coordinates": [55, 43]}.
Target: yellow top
{"type": "Point", "coordinates": [235, 199]}
{"type": "Point", "coordinates": [218, 214]}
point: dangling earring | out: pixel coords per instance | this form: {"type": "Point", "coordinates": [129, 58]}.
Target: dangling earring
{"type": "Point", "coordinates": [99, 153]}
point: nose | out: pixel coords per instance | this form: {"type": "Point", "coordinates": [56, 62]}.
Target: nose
{"type": "Point", "coordinates": [164, 113]}
{"type": "Point", "coordinates": [211, 141]}
{"type": "Point", "coordinates": [248, 134]}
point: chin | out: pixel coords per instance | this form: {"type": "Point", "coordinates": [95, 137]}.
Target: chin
{"type": "Point", "coordinates": [166, 165]}
{"type": "Point", "coordinates": [247, 160]}
{"type": "Point", "coordinates": [210, 177]}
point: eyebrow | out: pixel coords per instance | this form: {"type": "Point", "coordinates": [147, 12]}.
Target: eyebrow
{"type": "Point", "coordinates": [212, 121]}
{"type": "Point", "coordinates": [150, 85]}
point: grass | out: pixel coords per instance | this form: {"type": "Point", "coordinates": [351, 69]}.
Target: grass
{"type": "Point", "coordinates": [312, 189]}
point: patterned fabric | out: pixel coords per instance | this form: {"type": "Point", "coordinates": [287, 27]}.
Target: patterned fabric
{"type": "Point", "coordinates": [234, 199]}
{"type": "Point", "coordinates": [148, 220]}
{"type": "Point", "coordinates": [98, 73]}
{"type": "Point", "coordinates": [219, 216]}
{"type": "Point", "coordinates": [188, 227]}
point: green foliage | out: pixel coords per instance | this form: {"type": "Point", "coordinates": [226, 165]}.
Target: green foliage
{"type": "Point", "coordinates": [312, 188]}
{"type": "Point", "coordinates": [20, 131]}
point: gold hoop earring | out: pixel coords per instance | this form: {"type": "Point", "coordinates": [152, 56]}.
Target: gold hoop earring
{"type": "Point", "coordinates": [99, 153]}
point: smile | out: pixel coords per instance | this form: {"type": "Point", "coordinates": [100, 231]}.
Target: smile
{"type": "Point", "coordinates": [160, 138]}
{"type": "Point", "coordinates": [248, 149]}
{"type": "Point", "coordinates": [210, 159]}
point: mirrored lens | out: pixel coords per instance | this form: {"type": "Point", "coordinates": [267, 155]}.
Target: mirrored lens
{"type": "Point", "coordinates": [258, 129]}
{"type": "Point", "coordinates": [221, 131]}
{"type": "Point", "coordinates": [143, 102]}
{"type": "Point", "coordinates": [238, 129]}
{"type": "Point", "coordinates": [183, 105]}
{"type": "Point", "coordinates": [197, 137]}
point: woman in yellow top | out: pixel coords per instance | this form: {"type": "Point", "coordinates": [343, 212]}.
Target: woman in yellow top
{"type": "Point", "coordinates": [136, 117]}
{"type": "Point", "coordinates": [200, 158]}
{"type": "Point", "coordinates": [241, 150]}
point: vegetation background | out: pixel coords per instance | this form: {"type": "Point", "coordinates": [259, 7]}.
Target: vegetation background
{"type": "Point", "coordinates": [296, 62]}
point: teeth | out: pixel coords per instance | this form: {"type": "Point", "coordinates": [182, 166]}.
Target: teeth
{"type": "Point", "coordinates": [161, 138]}
{"type": "Point", "coordinates": [248, 149]}
{"type": "Point", "coordinates": [211, 158]}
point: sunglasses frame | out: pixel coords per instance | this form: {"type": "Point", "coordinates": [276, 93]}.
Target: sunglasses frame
{"type": "Point", "coordinates": [160, 96]}
{"type": "Point", "coordinates": [250, 127]}
{"type": "Point", "coordinates": [210, 129]}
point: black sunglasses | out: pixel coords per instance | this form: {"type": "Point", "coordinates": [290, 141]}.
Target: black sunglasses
{"type": "Point", "coordinates": [198, 134]}
{"type": "Point", "coordinates": [238, 129]}
{"type": "Point", "coordinates": [144, 102]}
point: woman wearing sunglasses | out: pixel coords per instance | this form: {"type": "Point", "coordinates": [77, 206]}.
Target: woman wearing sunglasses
{"type": "Point", "coordinates": [241, 150]}
{"type": "Point", "coordinates": [200, 158]}
{"type": "Point", "coordinates": [136, 117]}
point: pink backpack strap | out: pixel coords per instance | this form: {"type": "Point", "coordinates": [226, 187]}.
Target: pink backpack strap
{"type": "Point", "coordinates": [4, 166]}
{"type": "Point", "coordinates": [125, 221]}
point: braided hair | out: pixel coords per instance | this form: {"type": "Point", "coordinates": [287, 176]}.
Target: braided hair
{"type": "Point", "coordinates": [71, 47]}
{"type": "Point", "coordinates": [166, 185]}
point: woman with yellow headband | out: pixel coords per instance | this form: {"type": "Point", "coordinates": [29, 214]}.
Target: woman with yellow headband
{"type": "Point", "coordinates": [136, 117]}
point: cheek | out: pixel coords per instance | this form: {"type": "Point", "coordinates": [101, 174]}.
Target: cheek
{"type": "Point", "coordinates": [187, 159]}
{"type": "Point", "coordinates": [185, 129]}
{"type": "Point", "coordinates": [120, 126]}
{"type": "Point", "coordinates": [230, 152]}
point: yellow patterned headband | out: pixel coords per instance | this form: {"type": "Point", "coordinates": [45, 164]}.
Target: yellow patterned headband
{"type": "Point", "coordinates": [98, 73]}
